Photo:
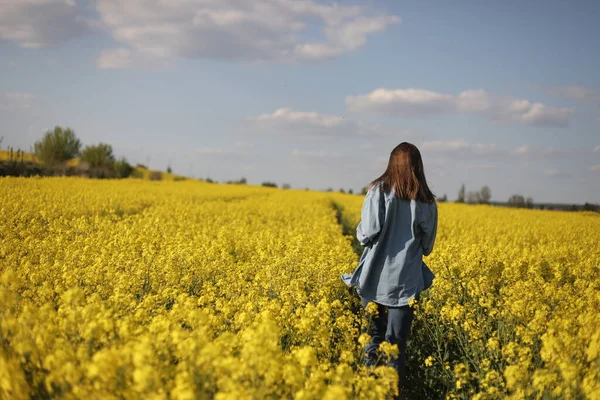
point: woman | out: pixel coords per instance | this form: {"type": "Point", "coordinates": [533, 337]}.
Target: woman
{"type": "Point", "coordinates": [397, 228]}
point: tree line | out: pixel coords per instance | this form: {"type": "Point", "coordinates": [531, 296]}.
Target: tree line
{"type": "Point", "coordinates": [484, 195]}
{"type": "Point", "coordinates": [60, 145]}
{"type": "Point", "coordinates": [54, 151]}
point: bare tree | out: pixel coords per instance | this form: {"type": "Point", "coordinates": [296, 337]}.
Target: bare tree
{"type": "Point", "coordinates": [516, 200]}
{"type": "Point", "coordinates": [485, 194]}
{"type": "Point", "coordinates": [472, 198]}
{"type": "Point", "coordinates": [529, 202]}
{"type": "Point", "coordinates": [461, 194]}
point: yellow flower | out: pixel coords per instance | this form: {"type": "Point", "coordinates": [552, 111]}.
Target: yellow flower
{"type": "Point", "coordinates": [364, 339]}
{"type": "Point", "coordinates": [371, 309]}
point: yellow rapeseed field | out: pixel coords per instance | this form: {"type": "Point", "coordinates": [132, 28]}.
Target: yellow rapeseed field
{"type": "Point", "coordinates": [17, 155]}
{"type": "Point", "coordinates": [514, 309]}
{"type": "Point", "coordinates": [187, 290]}
{"type": "Point", "coordinates": [184, 290]}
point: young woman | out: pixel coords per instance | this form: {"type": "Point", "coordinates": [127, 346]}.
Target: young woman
{"type": "Point", "coordinates": [397, 228]}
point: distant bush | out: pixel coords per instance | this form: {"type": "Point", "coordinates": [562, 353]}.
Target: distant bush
{"type": "Point", "coordinates": [137, 174]}
{"type": "Point", "coordinates": [122, 168]}
{"type": "Point", "coordinates": [25, 168]}
{"type": "Point", "coordinates": [155, 176]}
{"type": "Point", "coordinates": [138, 165]}
{"type": "Point", "coordinates": [241, 181]}
{"type": "Point", "coordinates": [269, 184]}
{"type": "Point", "coordinates": [591, 207]}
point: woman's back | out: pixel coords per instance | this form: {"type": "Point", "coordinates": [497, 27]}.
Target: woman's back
{"type": "Point", "coordinates": [396, 234]}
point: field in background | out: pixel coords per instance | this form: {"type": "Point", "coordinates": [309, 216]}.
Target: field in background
{"type": "Point", "coordinates": [18, 155]}
{"type": "Point", "coordinates": [184, 290]}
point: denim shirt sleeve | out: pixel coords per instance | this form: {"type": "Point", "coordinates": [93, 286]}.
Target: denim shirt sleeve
{"type": "Point", "coordinates": [371, 217]}
{"type": "Point", "coordinates": [428, 225]}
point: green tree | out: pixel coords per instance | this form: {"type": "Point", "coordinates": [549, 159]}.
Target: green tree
{"type": "Point", "coordinates": [100, 160]}
{"type": "Point", "coordinates": [122, 168]}
{"type": "Point", "coordinates": [98, 156]}
{"type": "Point", "coordinates": [57, 146]}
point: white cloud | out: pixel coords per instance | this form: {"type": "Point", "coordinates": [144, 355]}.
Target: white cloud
{"type": "Point", "coordinates": [287, 115]}
{"type": "Point", "coordinates": [122, 58]}
{"type": "Point", "coordinates": [211, 150]}
{"type": "Point", "coordinates": [555, 173]}
{"type": "Point", "coordinates": [16, 101]}
{"type": "Point", "coordinates": [289, 121]}
{"type": "Point", "coordinates": [40, 23]}
{"type": "Point", "coordinates": [314, 154]}
{"type": "Point", "coordinates": [243, 145]}
{"type": "Point", "coordinates": [440, 145]}
{"type": "Point", "coordinates": [530, 113]}
{"type": "Point", "coordinates": [479, 166]}
{"type": "Point", "coordinates": [472, 101]}
{"type": "Point", "coordinates": [404, 102]}
{"type": "Point", "coordinates": [577, 93]}
{"type": "Point", "coordinates": [535, 151]}
{"type": "Point", "coordinates": [233, 30]}
{"type": "Point", "coordinates": [458, 145]}
{"type": "Point", "coordinates": [491, 154]}
{"type": "Point", "coordinates": [237, 149]}
{"type": "Point", "coordinates": [524, 149]}
{"type": "Point", "coordinates": [420, 102]}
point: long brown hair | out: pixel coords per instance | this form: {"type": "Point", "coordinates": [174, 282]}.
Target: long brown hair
{"type": "Point", "coordinates": [405, 175]}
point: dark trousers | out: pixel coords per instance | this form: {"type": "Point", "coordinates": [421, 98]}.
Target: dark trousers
{"type": "Point", "coordinates": [392, 324]}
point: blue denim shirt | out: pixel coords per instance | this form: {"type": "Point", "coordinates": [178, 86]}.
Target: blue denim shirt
{"type": "Point", "coordinates": [396, 234]}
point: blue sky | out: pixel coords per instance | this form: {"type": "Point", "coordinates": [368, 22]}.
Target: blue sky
{"type": "Point", "coordinates": [315, 93]}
